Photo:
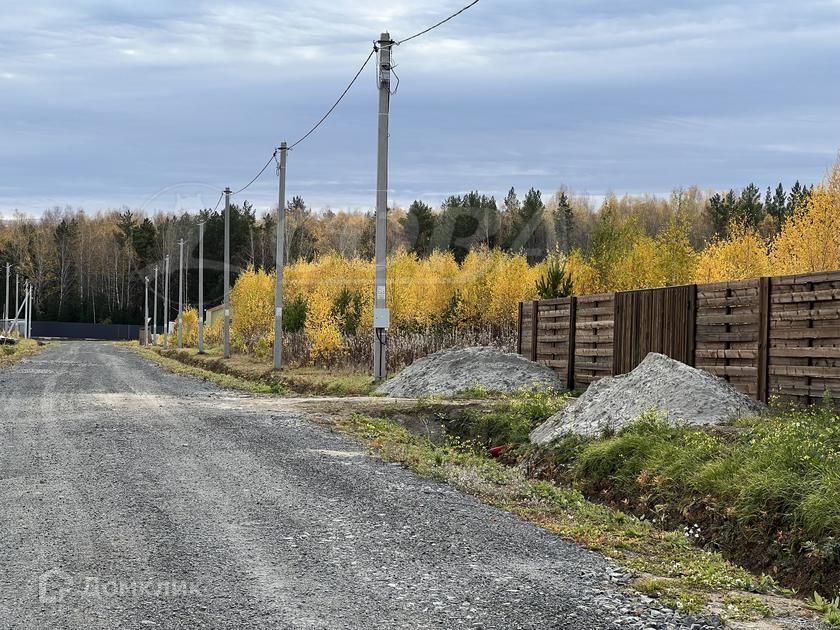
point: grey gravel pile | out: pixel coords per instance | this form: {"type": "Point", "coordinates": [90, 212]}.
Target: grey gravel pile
{"type": "Point", "coordinates": [679, 392]}
{"type": "Point", "coordinates": [450, 372]}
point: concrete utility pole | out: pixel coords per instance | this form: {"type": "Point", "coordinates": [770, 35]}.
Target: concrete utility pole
{"type": "Point", "coordinates": [201, 288]}
{"type": "Point", "coordinates": [381, 315]}
{"type": "Point", "coordinates": [154, 324]}
{"type": "Point", "coordinates": [146, 316]}
{"type": "Point", "coordinates": [28, 323]}
{"type": "Point", "coordinates": [226, 327]}
{"type": "Point", "coordinates": [280, 259]}
{"type": "Point", "coordinates": [6, 311]}
{"type": "Point", "coordinates": [166, 302]}
{"type": "Point", "coordinates": [181, 295]}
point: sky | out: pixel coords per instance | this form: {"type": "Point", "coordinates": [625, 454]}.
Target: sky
{"type": "Point", "coordinates": [158, 105]}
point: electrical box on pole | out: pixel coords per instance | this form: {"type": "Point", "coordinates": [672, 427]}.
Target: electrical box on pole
{"type": "Point", "coordinates": [381, 315]}
{"type": "Point", "coordinates": [280, 258]}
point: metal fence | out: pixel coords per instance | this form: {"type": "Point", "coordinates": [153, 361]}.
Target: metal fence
{"type": "Point", "coordinates": [79, 330]}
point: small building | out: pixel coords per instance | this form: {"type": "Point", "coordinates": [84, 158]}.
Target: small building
{"type": "Point", "coordinates": [212, 315]}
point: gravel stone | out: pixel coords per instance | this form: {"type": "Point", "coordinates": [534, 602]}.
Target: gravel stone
{"type": "Point", "coordinates": [449, 372]}
{"type": "Point", "coordinates": [681, 393]}
{"type": "Point", "coordinates": [119, 475]}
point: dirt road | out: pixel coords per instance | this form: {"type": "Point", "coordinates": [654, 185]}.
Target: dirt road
{"type": "Point", "coordinates": [135, 498]}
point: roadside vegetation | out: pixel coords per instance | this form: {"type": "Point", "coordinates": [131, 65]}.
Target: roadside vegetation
{"type": "Point", "coordinates": [680, 506]}
{"type": "Point", "coordinates": [248, 374]}
{"type": "Point", "coordinates": [667, 564]}
{"type": "Point", "coordinates": [12, 353]}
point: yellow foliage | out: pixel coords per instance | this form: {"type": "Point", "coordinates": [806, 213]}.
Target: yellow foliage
{"type": "Point", "coordinates": [190, 318]}
{"type": "Point", "coordinates": [584, 276]}
{"type": "Point", "coordinates": [743, 255]}
{"type": "Point", "coordinates": [638, 268]}
{"type": "Point", "coordinates": [810, 240]}
{"type": "Point", "coordinates": [252, 311]}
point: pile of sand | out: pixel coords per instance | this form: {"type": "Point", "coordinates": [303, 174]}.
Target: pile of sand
{"type": "Point", "coordinates": [453, 371]}
{"type": "Point", "coordinates": [682, 394]}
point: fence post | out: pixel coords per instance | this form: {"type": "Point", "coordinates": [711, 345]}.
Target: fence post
{"type": "Point", "coordinates": [692, 325]}
{"type": "Point", "coordinates": [570, 365]}
{"type": "Point", "coordinates": [519, 329]}
{"type": "Point", "coordinates": [535, 320]}
{"type": "Point", "coordinates": [763, 338]}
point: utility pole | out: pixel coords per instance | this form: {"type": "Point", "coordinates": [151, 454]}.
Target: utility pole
{"type": "Point", "coordinates": [279, 259]}
{"type": "Point", "coordinates": [6, 311]}
{"type": "Point", "coordinates": [166, 302]}
{"type": "Point", "coordinates": [226, 327]}
{"type": "Point", "coordinates": [381, 315]}
{"type": "Point", "coordinates": [31, 309]}
{"type": "Point", "coordinates": [181, 295]}
{"type": "Point", "coordinates": [154, 325]}
{"type": "Point", "coordinates": [28, 312]}
{"type": "Point", "coordinates": [201, 288]}
{"type": "Point", "coordinates": [146, 316]}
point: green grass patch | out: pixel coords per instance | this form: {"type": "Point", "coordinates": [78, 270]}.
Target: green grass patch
{"type": "Point", "coordinates": [765, 490]}
{"type": "Point", "coordinates": [511, 420]}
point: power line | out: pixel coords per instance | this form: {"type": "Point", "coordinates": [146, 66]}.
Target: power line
{"type": "Point", "coordinates": [256, 177]}
{"type": "Point", "coordinates": [218, 202]}
{"type": "Point", "coordinates": [340, 98]}
{"type": "Point", "coordinates": [441, 23]}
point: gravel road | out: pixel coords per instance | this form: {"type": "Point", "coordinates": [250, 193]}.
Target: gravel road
{"type": "Point", "coordinates": [136, 498]}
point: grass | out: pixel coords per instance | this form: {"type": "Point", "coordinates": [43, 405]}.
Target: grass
{"type": "Point", "coordinates": [674, 569]}
{"type": "Point", "coordinates": [511, 420]}
{"type": "Point", "coordinates": [11, 354]}
{"type": "Point", "coordinates": [765, 490]}
{"type": "Point", "coordinates": [254, 375]}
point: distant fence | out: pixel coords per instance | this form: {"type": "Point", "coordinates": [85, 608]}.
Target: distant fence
{"type": "Point", "coordinates": [79, 330]}
{"type": "Point", "coordinates": [768, 336]}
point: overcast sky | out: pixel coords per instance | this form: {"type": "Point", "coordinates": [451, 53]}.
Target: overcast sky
{"type": "Point", "coordinates": [159, 105]}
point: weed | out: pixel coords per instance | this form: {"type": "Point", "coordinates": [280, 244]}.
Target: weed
{"type": "Point", "coordinates": [745, 607]}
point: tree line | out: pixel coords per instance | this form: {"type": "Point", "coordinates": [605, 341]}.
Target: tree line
{"type": "Point", "coordinates": [91, 267]}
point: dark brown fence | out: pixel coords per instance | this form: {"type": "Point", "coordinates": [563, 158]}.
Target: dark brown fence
{"type": "Point", "coordinates": [769, 336]}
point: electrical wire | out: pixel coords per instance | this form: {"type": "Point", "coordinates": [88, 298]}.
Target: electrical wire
{"type": "Point", "coordinates": [340, 98]}
{"type": "Point", "coordinates": [257, 176]}
{"type": "Point", "coordinates": [218, 202]}
{"type": "Point", "coordinates": [441, 23]}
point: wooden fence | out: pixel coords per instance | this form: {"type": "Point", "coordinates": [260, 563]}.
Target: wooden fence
{"type": "Point", "coordinates": [768, 336]}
